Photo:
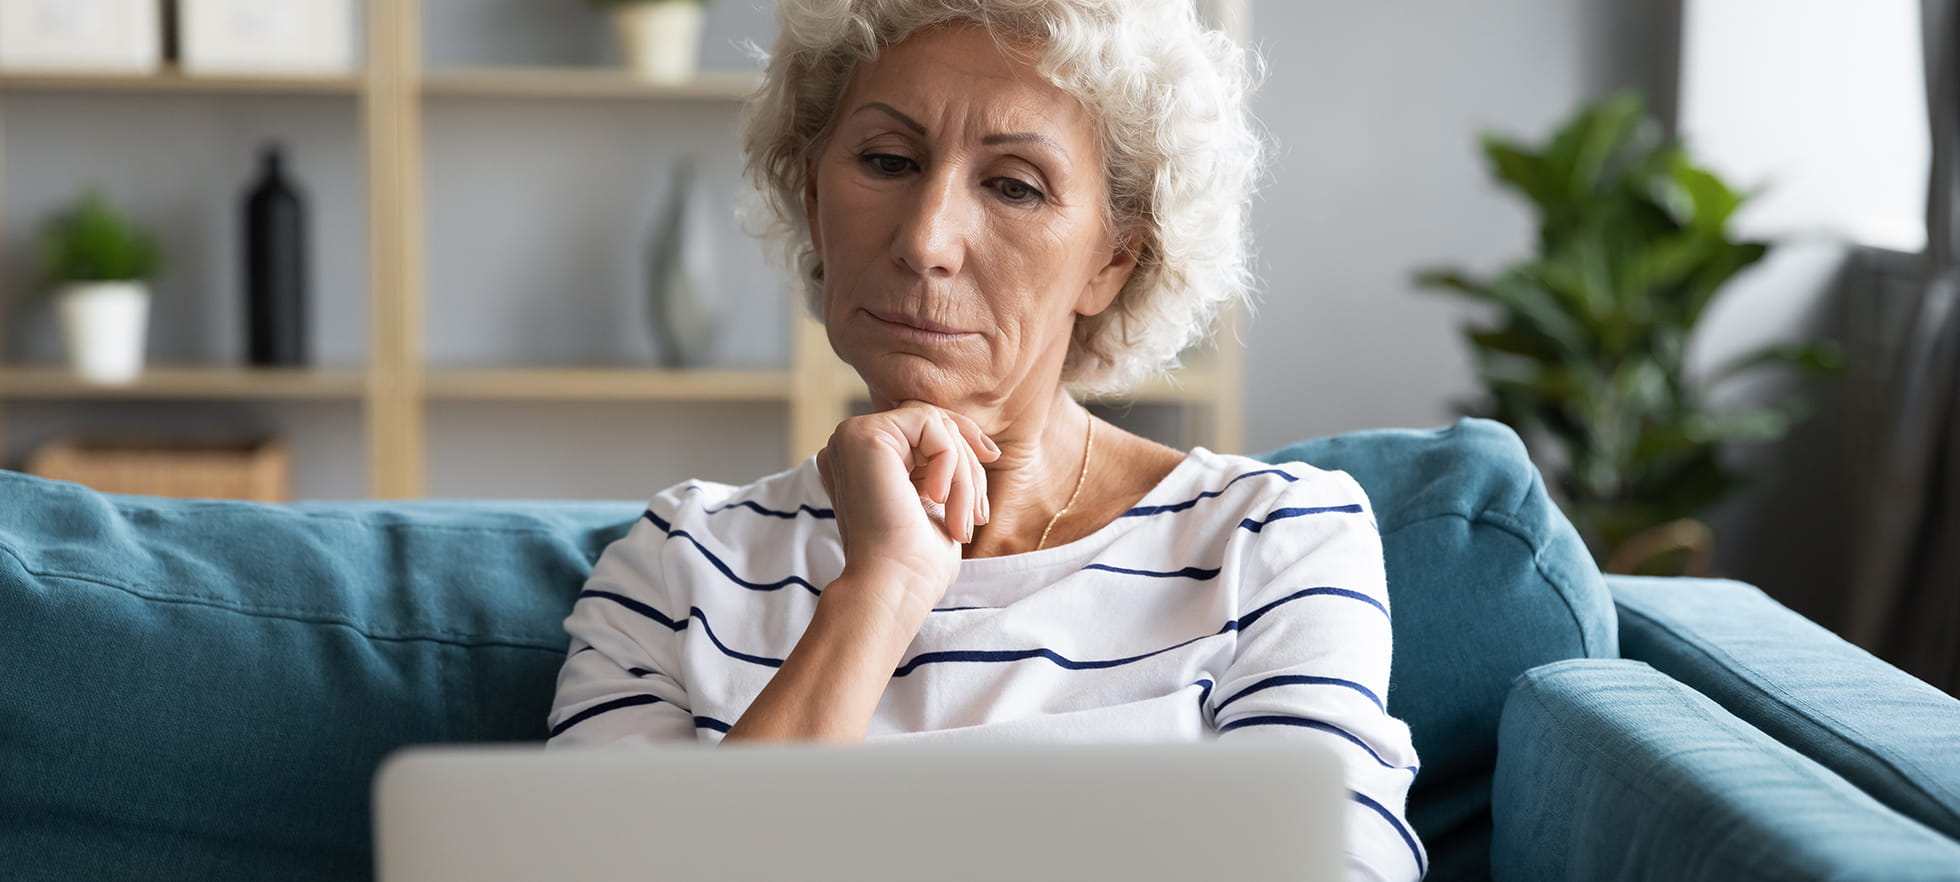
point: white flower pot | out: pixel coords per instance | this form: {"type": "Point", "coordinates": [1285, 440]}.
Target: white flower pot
{"type": "Point", "coordinates": [105, 326]}
{"type": "Point", "coordinates": [660, 40]}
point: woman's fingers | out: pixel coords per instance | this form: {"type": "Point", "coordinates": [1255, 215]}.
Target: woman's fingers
{"type": "Point", "coordinates": [948, 450]}
{"type": "Point", "coordinates": [959, 498]}
{"type": "Point", "coordinates": [984, 448]}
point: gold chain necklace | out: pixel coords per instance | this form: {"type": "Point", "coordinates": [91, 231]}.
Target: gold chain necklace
{"type": "Point", "coordinates": [1088, 450]}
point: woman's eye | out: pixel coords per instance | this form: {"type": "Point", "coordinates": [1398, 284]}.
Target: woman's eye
{"type": "Point", "coordinates": [1016, 190]}
{"type": "Point", "coordinates": [886, 163]}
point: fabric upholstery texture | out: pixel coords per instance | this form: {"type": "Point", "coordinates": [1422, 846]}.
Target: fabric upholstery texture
{"type": "Point", "coordinates": [1884, 730]}
{"type": "Point", "coordinates": [203, 690]}
{"type": "Point", "coordinates": [1609, 770]}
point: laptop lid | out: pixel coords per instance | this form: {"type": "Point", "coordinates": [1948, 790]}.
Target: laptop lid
{"type": "Point", "coordinates": [866, 813]}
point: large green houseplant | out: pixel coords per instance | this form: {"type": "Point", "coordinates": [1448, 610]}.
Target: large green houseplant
{"type": "Point", "coordinates": [1589, 332]}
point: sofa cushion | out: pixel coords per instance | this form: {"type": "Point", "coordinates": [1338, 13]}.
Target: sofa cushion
{"type": "Point", "coordinates": [1609, 770]}
{"type": "Point", "coordinates": [1881, 728]}
{"type": "Point", "coordinates": [203, 690]}
{"type": "Point", "coordinates": [1486, 579]}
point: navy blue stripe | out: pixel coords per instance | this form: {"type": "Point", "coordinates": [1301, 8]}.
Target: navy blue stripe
{"type": "Point", "coordinates": [1284, 513]}
{"type": "Point", "coordinates": [824, 513]}
{"type": "Point", "coordinates": [635, 606]}
{"type": "Point", "coordinates": [602, 707]}
{"type": "Point", "coordinates": [583, 649]}
{"type": "Point", "coordinates": [1415, 850]}
{"type": "Point", "coordinates": [642, 672]}
{"type": "Point", "coordinates": [1013, 655]}
{"type": "Point", "coordinates": [1204, 694]}
{"type": "Point", "coordinates": [1305, 680]}
{"type": "Point", "coordinates": [696, 612]}
{"type": "Point", "coordinates": [821, 513]}
{"type": "Point", "coordinates": [693, 613]}
{"type": "Point", "coordinates": [1303, 722]}
{"type": "Point", "coordinates": [960, 608]}
{"type": "Point", "coordinates": [752, 586]}
{"type": "Point", "coordinates": [1142, 511]}
{"type": "Point", "coordinates": [711, 723]}
{"type": "Point", "coordinates": [1312, 592]}
{"type": "Point", "coordinates": [1187, 573]}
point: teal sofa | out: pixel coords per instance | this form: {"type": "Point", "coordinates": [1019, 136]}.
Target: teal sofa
{"type": "Point", "coordinates": [203, 689]}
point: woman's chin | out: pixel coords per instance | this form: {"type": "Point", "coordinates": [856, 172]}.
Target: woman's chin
{"type": "Point", "coordinates": [902, 376]}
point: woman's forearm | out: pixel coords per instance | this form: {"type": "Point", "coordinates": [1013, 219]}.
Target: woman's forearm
{"type": "Point", "coordinates": [829, 686]}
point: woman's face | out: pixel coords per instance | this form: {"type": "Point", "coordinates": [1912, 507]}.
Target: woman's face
{"type": "Point", "coordinates": [958, 210]}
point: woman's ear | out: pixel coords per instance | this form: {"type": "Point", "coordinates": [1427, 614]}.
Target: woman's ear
{"type": "Point", "coordinates": [1108, 281]}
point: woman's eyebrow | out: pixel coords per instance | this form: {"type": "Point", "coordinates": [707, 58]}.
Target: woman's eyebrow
{"type": "Point", "coordinates": [909, 122]}
{"type": "Point", "coordinates": [989, 140]}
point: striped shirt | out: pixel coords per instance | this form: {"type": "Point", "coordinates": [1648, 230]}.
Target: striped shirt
{"type": "Point", "coordinates": [1236, 600]}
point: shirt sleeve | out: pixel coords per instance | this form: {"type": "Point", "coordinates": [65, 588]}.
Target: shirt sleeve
{"type": "Point", "coordinates": [620, 684]}
{"type": "Point", "coordinates": [1312, 664]}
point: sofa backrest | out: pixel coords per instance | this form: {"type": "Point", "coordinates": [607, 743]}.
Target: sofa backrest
{"type": "Point", "coordinates": [1486, 579]}
{"type": "Point", "coordinates": [203, 690]}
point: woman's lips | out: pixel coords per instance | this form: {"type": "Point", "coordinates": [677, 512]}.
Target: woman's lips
{"type": "Point", "coordinates": [917, 328]}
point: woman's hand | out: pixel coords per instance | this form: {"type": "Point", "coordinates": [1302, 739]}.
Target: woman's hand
{"type": "Point", "coordinates": [908, 488]}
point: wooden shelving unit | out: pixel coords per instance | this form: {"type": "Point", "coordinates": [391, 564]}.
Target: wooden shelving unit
{"type": "Point", "coordinates": [173, 80]}
{"type": "Point", "coordinates": [396, 384]}
{"type": "Point", "coordinates": [165, 382]}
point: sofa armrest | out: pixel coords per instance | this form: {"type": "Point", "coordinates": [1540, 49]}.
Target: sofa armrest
{"type": "Point", "coordinates": [1610, 770]}
{"type": "Point", "coordinates": [1884, 730]}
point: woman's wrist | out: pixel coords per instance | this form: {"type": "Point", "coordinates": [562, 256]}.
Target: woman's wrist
{"type": "Point", "coordinates": [893, 598]}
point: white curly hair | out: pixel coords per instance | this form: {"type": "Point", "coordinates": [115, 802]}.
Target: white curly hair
{"type": "Point", "coordinates": [1180, 148]}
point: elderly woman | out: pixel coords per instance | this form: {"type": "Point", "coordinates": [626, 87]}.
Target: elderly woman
{"type": "Point", "coordinates": [991, 205]}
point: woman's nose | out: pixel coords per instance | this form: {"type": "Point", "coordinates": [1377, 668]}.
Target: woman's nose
{"type": "Point", "coordinates": [931, 238]}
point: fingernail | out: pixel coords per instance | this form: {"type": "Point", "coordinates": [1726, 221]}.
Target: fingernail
{"type": "Point", "coordinates": [991, 446]}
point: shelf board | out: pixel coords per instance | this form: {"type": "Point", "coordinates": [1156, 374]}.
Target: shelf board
{"type": "Point", "coordinates": [576, 82]}
{"type": "Point", "coordinates": [174, 80]}
{"type": "Point", "coordinates": [55, 383]}
{"type": "Point", "coordinates": [608, 384]}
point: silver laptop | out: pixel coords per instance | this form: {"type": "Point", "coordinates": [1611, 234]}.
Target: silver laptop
{"type": "Point", "coordinates": [868, 813]}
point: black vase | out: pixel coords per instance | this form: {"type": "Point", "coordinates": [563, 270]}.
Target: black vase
{"type": "Point", "coordinates": [275, 267]}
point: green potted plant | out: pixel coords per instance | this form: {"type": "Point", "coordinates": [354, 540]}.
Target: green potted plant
{"type": "Point", "coordinates": [99, 266]}
{"type": "Point", "coordinates": [659, 40]}
{"type": "Point", "coordinates": [1588, 333]}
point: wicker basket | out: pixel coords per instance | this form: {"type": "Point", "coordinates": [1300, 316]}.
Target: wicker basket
{"type": "Point", "coordinates": [254, 469]}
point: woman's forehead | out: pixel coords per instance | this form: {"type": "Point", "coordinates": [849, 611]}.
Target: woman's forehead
{"type": "Point", "coordinates": [962, 76]}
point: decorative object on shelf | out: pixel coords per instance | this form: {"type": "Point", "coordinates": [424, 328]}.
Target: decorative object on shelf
{"type": "Point", "coordinates": [1591, 331]}
{"type": "Point", "coordinates": [106, 36]}
{"type": "Point", "coordinates": [99, 266]}
{"type": "Point", "coordinates": [257, 37]}
{"type": "Point", "coordinates": [255, 468]}
{"type": "Point", "coordinates": [681, 273]}
{"type": "Point", "coordinates": [659, 40]}
{"type": "Point", "coordinates": [275, 266]}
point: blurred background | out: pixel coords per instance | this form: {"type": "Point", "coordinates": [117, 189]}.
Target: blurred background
{"type": "Point", "coordinates": [1699, 253]}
